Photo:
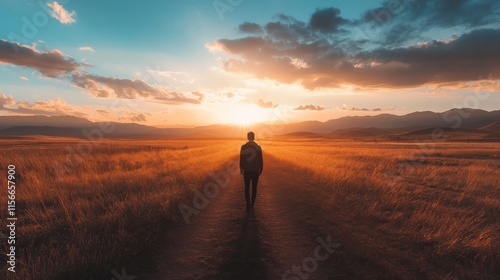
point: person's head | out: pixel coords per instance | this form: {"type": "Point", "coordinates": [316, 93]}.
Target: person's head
{"type": "Point", "coordinates": [251, 136]}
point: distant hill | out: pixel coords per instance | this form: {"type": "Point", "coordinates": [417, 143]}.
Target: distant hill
{"type": "Point", "coordinates": [53, 121]}
{"type": "Point", "coordinates": [417, 124]}
{"type": "Point", "coordinates": [41, 130]}
{"type": "Point", "coordinates": [467, 118]}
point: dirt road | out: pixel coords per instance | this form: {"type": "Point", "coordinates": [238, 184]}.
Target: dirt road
{"type": "Point", "coordinates": [285, 236]}
{"type": "Point", "coordinates": [290, 235]}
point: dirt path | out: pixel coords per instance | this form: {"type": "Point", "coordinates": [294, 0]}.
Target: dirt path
{"type": "Point", "coordinates": [286, 236]}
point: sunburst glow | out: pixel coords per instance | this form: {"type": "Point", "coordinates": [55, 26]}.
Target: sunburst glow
{"type": "Point", "coordinates": [244, 115]}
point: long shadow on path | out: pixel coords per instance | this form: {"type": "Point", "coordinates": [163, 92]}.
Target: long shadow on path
{"type": "Point", "coordinates": [247, 259]}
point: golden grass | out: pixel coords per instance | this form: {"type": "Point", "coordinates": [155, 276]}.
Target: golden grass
{"type": "Point", "coordinates": [105, 209]}
{"type": "Point", "coordinates": [442, 195]}
{"type": "Point", "coordinates": [119, 199]}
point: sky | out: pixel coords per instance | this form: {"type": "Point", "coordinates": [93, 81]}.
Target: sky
{"type": "Point", "coordinates": [200, 62]}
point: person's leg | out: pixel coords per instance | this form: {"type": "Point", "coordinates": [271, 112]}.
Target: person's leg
{"type": "Point", "coordinates": [255, 180]}
{"type": "Point", "coordinates": [246, 179]}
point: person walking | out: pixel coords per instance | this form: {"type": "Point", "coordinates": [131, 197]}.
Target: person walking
{"type": "Point", "coordinates": [251, 167]}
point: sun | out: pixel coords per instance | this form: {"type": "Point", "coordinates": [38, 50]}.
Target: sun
{"type": "Point", "coordinates": [245, 115]}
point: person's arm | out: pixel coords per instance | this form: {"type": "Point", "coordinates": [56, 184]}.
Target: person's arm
{"type": "Point", "coordinates": [261, 161]}
{"type": "Point", "coordinates": [241, 160]}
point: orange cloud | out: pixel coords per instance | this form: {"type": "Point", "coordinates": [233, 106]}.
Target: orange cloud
{"type": "Point", "coordinates": [62, 15]}
{"type": "Point", "coordinates": [310, 108]}
{"type": "Point", "coordinates": [130, 89]}
{"type": "Point", "coordinates": [266, 104]}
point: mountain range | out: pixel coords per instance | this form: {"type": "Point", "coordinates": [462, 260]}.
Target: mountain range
{"type": "Point", "coordinates": [478, 124]}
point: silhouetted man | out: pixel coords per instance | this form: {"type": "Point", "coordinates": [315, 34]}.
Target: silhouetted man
{"type": "Point", "coordinates": [251, 166]}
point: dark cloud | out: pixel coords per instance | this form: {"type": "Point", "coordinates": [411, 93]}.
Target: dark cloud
{"type": "Point", "coordinates": [388, 46]}
{"type": "Point", "coordinates": [265, 104]}
{"type": "Point", "coordinates": [466, 58]}
{"type": "Point", "coordinates": [49, 63]}
{"type": "Point", "coordinates": [249, 27]}
{"type": "Point", "coordinates": [129, 89]}
{"type": "Point", "coordinates": [310, 108]}
{"type": "Point", "coordinates": [327, 20]}
{"type": "Point", "coordinates": [400, 21]}
{"type": "Point", "coordinates": [53, 64]}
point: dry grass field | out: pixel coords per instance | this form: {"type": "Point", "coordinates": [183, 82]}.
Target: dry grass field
{"type": "Point", "coordinates": [86, 216]}
{"type": "Point", "coordinates": [440, 198]}
{"type": "Point", "coordinates": [84, 213]}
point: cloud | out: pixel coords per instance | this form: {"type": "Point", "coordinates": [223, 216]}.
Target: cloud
{"type": "Point", "coordinates": [86, 49]}
{"type": "Point", "coordinates": [129, 89]}
{"type": "Point", "coordinates": [200, 96]}
{"type": "Point", "coordinates": [60, 107]}
{"type": "Point", "coordinates": [265, 104]}
{"type": "Point", "coordinates": [357, 109]}
{"type": "Point", "coordinates": [327, 20]}
{"type": "Point", "coordinates": [102, 112]}
{"type": "Point", "coordinates": [465, 58]}
{"type": "Point", "coordinates": [56, 107]}
{"type": "Point", "coordinates": [249, 27]}
{"type": "Point", "coordinates": [327, 52]}
{"type": "Point", "coordinates": [6, 100]}
{"type": "Point", "coordinates": [63, 16]}
{"type": "Point", "coordinates": [138, 117]}
{"type": "Point", "coordinates": [23, 78]}
{"type": "Point", "coordinates": [51, 63]}
{"type": "Point", "coordinates": [310, 108]}
{"type": "Point", "coordinates": [409, 20]}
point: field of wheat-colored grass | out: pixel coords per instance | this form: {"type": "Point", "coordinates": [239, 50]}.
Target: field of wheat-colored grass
{"type": "Point", "coordinates": [83, 214]}
{"type": "Point", "coordinates": [443, 196]}
{"type": "Point", "coordinates": [96, 212]}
